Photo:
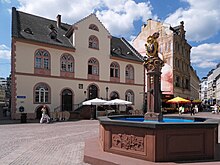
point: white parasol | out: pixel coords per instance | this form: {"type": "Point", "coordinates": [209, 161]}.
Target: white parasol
{"type": "Point", "coordinates": [118, 102]}
{"type": "Point", "coordinates": [95, 101]}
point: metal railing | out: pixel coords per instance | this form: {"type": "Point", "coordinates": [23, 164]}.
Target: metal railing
{"type": "Point", "coordinates": [74, 107]}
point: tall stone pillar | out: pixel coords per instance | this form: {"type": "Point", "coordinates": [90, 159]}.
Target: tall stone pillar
{"type": "Point", "coordinates": [153, 65]}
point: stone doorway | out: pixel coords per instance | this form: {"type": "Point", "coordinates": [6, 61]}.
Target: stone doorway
{"type": "Point", "coordinates": [93, 92]}
{"type": "Point", "coordinates": [67, 100]}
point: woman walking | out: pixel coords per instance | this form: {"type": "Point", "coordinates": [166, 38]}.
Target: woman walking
{"type": "Point", "coordinates": [44, 116]}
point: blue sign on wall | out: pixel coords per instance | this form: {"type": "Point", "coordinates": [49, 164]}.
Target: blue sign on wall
{"type": "Point", "coordinates": [21, 109]}
{"type": "Point", "coordinates": [21, 97]}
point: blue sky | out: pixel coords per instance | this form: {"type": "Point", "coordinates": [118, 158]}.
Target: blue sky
{"type": "Point", "coordinates": [124, 18]}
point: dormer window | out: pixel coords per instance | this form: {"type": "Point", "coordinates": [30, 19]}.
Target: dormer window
{"type": "Point", "coordinates": [53, 34]}
{"type": "Point", "coordinates": [117, 50]}
{"type": "Point", "coordinates": [51, 27]}
{"type": "Point", "coordinates": [28, 30]}
{"type": "Point", "coordinates": [93, 27]}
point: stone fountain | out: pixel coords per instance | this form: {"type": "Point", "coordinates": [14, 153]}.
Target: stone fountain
{"type": "Point", "coordinates": [138, 139]}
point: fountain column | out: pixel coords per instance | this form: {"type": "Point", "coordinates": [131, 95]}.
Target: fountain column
{"type": "Point", "coordinates": [153, 65]}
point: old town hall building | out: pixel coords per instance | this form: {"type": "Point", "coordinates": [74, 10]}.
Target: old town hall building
{"type": "Point", "coordinates": [60, 65]}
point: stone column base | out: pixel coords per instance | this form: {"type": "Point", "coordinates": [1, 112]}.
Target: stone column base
{"type": "Point", "coordinates": [153, 116]}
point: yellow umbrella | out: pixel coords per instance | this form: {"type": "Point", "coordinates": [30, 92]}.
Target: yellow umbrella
{"type": "Point", "coordinates": [197, 101]}
{"type": "Point", "coordinates": [178, 100]}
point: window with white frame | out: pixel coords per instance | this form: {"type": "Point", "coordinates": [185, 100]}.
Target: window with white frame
{"type": "Point", "coordinates": [93, 42]}
{"type": "Point", "coordinates": [41, 93]}
{"type": "Point", "coordinates": [42, 59]}
{"type": "Point", "coordinates": [114, 69]}
{"type": "Point", "coordinates": [93, 66]}
{"type": "Point", "coordinates": [129, 96]}
{"type": "Point", "coordinates": [129, 72]}
{"type": "Point", "coordinates": [67, 63]}
{"type": "Point", "coordinates": [93, 27]}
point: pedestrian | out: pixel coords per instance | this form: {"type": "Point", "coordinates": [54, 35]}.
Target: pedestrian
{"type": "Point", "coordinates": [44, 116]}
{"type": "Point", "coordinates": [180, 110]}
{"type": "Point", "coordinates": [216, 108]}
{"type": "Point", "coordinates": [196, 109]}
{"type": "Point", "coordinates": [192, 110]}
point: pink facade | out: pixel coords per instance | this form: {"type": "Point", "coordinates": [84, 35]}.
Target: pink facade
{"type": "Point", "coordinates": [167, 70]}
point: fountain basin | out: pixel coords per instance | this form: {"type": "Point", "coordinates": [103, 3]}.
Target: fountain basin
{"type": "Point", "coordinates": [159, 141]}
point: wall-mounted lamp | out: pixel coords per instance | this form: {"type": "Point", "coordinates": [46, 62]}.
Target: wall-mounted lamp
{"type": "Point", "coordinates": [106, 89]}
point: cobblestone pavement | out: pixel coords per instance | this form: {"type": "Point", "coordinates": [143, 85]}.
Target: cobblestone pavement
{"type": "Point", "coordinates": [60, 143]}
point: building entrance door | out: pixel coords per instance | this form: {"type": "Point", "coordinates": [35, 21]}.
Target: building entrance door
{"type": "Point", "coordinates": [93, 92]}
{"type": "Point", "coordinates": [67, 100]}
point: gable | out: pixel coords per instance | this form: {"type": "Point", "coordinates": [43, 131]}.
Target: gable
{"type": "Point", "coordinates": [91, 19]}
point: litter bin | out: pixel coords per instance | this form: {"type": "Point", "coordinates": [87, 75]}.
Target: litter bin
{"type": "Point", "coordinates": [23, 117]}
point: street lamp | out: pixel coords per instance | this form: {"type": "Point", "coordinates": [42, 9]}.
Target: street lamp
{"type": "Point", "coordinates": [85, 95]}
{"type": "Point", "coordinates": [106, 89]}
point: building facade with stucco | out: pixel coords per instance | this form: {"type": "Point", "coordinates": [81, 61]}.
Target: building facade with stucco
{"type": "Point", "coordinates": [60, 65]}
{"type": "Point", "coordinates": [203, 90]}
{"type": "Point", "coordinates": [175, 51]}
{"type": "Point", "coordinates": [213, 94]}
{"type": "Point", "coordinates": [194, 85]}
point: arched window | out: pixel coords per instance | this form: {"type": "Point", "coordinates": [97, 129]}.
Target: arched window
{"type": "Point", "coordinates": [42, 93]}
{"type": "Point", "coordinates": [67, 63]}
{"type": "Point", "coordinates": [93, 69]}
{"type": "Point", "coordinates": [42, 59]}
{"type": "Point", "coordinates": [92, 92]}
{"type": "Point", "coordinates": [129, 96]}
{"type": "Point", "coordinates": [93, 27]}
{"type": "Point", "coordinates": [129, 73]}
{"type": "Point", "coordinates": [93, 42]}
{"type": "Point", "coordinates": [42, 62]}
{"type": "Point", "coordinates": [114, 72]}
{"type": "Point", "coordinates": [114, 95]}
{"type": "Point", "coordinates": [114, 69]}
{"type": "Point", "coordinates": [93, 66]}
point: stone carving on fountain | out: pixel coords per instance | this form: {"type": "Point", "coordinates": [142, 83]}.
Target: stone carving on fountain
{"type": "Point", "coordinates": [128, 142]}
{"type": "Point", "coordinates": [153, 65]}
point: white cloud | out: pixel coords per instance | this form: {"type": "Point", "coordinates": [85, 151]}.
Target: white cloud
{"type": "Point", "coordinates": [206, 55]}
{"type": "Point", "coordinates": [5, 1]}
{"type": "Point", "coordinates": [118, 16]}
{"type": "Point", "coordinates": [5, 52]}
{"type": "Point", "coordinates": [201, 19]}
{"type": "Point", "coordinates": [120, 21]}
{"type": "Point", "coordinates": [206, 64]}
{"type": "Point", "coordinates": [71, 10]}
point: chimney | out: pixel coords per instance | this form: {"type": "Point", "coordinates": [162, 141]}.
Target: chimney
{"type": "Point", "coordinates": [58, 20]}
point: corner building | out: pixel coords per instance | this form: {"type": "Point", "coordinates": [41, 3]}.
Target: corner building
{"type": "Point", "coordinates": [60, 65]}
{"type": "Point", "coordinates": [175, 51]}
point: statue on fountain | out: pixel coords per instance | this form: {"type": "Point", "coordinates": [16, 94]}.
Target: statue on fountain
{"type": "Point", "coordinates": [153, 65]}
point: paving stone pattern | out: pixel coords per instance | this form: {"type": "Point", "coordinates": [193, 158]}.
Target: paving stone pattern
{"type": "Point", "coordinates": [60, 143]}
